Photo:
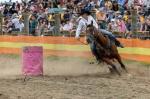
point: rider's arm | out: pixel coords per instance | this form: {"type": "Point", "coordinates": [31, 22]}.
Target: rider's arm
{"type": "Point", "coordinates": [79, 29]}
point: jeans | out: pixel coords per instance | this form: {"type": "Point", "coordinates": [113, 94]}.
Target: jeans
{"type": "Point", "coordinates": [105, 32]}
{"type": "Point", "coordinates": [90, 40]}
{"type": "Point", "coordinates": [102, 25]}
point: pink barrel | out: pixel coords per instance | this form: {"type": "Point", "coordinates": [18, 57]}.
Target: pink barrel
{"type": "Point", "coordinates": [32, 60]}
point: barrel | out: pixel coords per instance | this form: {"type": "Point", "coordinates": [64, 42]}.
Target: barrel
{"type": "Point", "coordinates": [32, 60]}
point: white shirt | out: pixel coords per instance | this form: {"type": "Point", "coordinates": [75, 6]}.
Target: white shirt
{"type": "Point", "coordinates": [68, 27]}
{"type": "Point", "coordinates": [146, 2]}
{"type": "Point", "coordinates": [83, 24]}
{"type": "Point", "coordinates": [21, 26]}
{"type": "Point", "coordinates": [15, 21]}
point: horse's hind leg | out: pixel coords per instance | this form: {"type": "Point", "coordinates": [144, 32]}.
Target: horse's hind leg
{"type": "Point", "coordinates": [112, 65]}
{"type": "Point", "coordinates": [121, 63]}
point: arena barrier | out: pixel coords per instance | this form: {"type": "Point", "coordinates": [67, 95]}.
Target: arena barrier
{"type": "Point", "coordinates": [135, 49]}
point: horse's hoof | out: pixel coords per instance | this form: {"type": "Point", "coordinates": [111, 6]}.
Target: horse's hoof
{"type": "Point", "coordinates": [111, 70]}
{"type": "Point", "coordinates": [116, 71]}
{"type": "Point", "coordinates": [125, 71]}
{"type": "Point", "coordinates": [91, 62]}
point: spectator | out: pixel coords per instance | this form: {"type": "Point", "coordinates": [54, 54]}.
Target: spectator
{"type": "Point", "coordinates": [8, 28]}
{"type": "Point", "coordinates": [108, 14]}
{"type": "Point", "coordinates": [16, 23]}
{"type": "Point", "coordinates": [143, 26]}
{"type": "Point", "coordinates": [21, 25]}
{"type": "Point", "coordinates": [148, 24]}
{"type": "Point", "coordinates": [126, 16]}
{"type": "Point", "coordinates": [33, 25]}
{"type": "Point", "coordinates": [67, 26]}
{"type": "Point", "coordinates": [41, 27]}
{"type": "Point", "coordinates": [101, 17]}
{"type": "Point", "coordinates": [112, 26]}
{"type": "Point", "coordinates": [108, 5]}
{"type": "Point", "coordinates": [115, 6]}
{"type": "Point", "coordinates": [128, 24]}
{"type": "Point", "coordinates": [6, 11]}
{"type": "Point", "coordinates": [121, 25]}
{"type": "Point", "coordinates": [67, 15]}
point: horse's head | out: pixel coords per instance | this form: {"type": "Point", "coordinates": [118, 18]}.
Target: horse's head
{"type": "Point", "coordinates": [91, 29]}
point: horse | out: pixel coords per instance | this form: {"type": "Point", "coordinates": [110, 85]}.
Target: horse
{"type": "Point", "coordinates": [104, 50]}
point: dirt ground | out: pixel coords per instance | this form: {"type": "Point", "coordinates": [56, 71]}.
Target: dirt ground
{"type": "Point", "coordinates": [73, 78]}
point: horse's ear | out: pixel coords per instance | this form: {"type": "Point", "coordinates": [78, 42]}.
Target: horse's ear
{"type": "Point", "coordinates": [92, 23]}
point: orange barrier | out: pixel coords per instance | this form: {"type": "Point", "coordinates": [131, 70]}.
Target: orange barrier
{"type": "Point", "coordinates": [46, 39]}
{"type": "Point", "coordinates": [133, 43]}
{"type": "Point", "coordinates": [136, 43]}
{"type": "Point", "coordinates": [69, 40]}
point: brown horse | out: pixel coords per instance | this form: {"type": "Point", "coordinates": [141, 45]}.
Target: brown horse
{"type": "Point", "coordinates": [105, 50]}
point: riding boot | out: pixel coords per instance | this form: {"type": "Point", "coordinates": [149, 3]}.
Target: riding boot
{"type": "Point", "coordinates": [118, 43]}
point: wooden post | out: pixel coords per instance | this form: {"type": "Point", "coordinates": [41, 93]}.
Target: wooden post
{"type": "Point", "coordinates": [26, 22]}
{"type": "Point", "coordinates": [57, 24]}
{"type": "Point", "coordinates": [1, 24]}
{"type": "Point", "coordinates": [134, 21]}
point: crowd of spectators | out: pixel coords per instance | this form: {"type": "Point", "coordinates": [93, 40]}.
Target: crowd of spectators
{"type": "Point", "coordinates": [113, 15]}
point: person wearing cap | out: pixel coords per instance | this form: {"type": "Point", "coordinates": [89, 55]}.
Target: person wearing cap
{"type": "Point", "coordinates": [85, 20]}
{"type": "Point", "coordinates": [15, 21]}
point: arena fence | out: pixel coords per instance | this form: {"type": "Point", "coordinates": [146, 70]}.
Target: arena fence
{"type": "Point", "coordinates": [135, 49]}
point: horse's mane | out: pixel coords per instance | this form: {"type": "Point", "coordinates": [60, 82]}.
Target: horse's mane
{"type": "Point", "coordinates": [89, 26]}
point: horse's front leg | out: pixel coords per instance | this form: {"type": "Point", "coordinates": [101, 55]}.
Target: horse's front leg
{"type": "Point", "coordinates": [112, 65]}
{"type": "Point", "coordinates": [118, 58]}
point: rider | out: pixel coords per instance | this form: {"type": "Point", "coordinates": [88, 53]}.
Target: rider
{"type": "Point", "coordinates": [85, 20]}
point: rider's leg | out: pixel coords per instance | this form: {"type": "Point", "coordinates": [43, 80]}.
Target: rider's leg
{"type": "Point", "coordinates": [90, 40]}
{"type": "Point", "coordinates": [105, 32]}
{"type": "Point", "coordinates": [111, 36]}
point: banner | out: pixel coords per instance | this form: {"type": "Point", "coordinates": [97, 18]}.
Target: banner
{"type": "Point", "coordinates": [135, 49]}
